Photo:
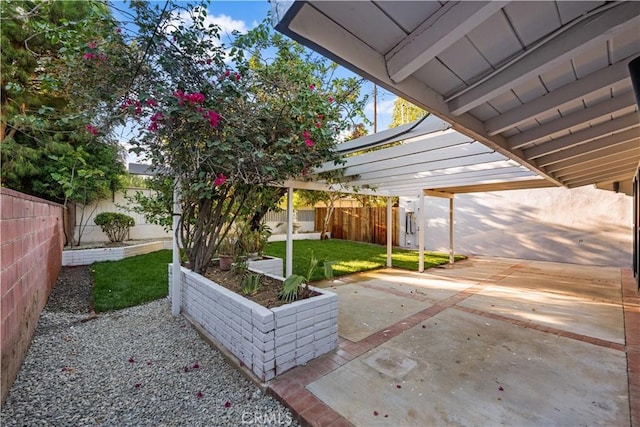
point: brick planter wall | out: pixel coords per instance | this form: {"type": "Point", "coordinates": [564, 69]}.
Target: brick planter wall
{"type": "Point", "coordinates": [267, 265]}
{"type": "Point", "coordinates": [32, 240]}
{"type": "Point", "coordinates": [89, 256]}
{"type": "Point", "coordinates": [267, 341]}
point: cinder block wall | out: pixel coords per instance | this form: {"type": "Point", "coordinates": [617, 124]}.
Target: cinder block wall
{"type": "Point", "coordinates": [31, 256]}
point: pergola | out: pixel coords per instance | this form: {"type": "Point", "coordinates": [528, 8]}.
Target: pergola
{"type": "Point", "coordinates": [546, 84]}
{"type": "Point", "coordinates": [423, 158]}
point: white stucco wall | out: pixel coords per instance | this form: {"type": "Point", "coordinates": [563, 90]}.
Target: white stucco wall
{"type": "Point", "coordinates": [119, 203]}
{"type": "Point", "coordinates": [582, 225]}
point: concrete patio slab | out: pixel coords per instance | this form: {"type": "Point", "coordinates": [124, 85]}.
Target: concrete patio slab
{"type": "Point", "coordinates": [470, 371]}
{"type": "Point", "coordinates": [603, 320]}
{"type": "Point", "coordinates": [488, 341]}
{"type": "Point", "coordinates": [363, 311]}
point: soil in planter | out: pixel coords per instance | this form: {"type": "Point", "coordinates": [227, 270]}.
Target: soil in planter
{"type": "Point", "coordinates": [267, 295]}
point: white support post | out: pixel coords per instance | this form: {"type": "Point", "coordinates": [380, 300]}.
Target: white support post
{"type": "Point", "coordinates": [389, 232]}
{"type": "Point", "coordinates": [451, 231]}
{"type": "Point", "coordinates": [176, 282]}
{"type": "Point", "coordinates": [421, 225]}
{"type": "Point", "coordinates": [289, 246]}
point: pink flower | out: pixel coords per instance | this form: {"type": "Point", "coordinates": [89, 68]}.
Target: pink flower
{"type": "Point", "coordinates": [92, 129]}
{"type": "Point", "coordinates": [118, 30]}
{"type": "Point", "coordinates": [196, 366]}
{"type": "Point", "coordinates": [195, 98]}
{"type": "Point", "coordinates": [318, 125]}
{"type": "Point", "coordinates": [312, 86]}
{"type": "Point", "coordinates": [375, 413]}
{"type": "Point", "coordinates": [320, 117]}
{"type": "Point", "coordinates": [92, 45]}
{"type": "Point", "coordinates": [151, 102]}
{"type": "Point", "coordinates": [131, 360]}
{"type": "Point", "coordinates": [88, 56]}
{"type": "Point", "coordinates": [186, 369]}
{"type": "Point", "coordinates": [103, 57]}
{"type": "Point", "coordinates": [157, 117]}
{"type": "Point", "coordinates": [199, 395]}
{"type": "Point", "coordinates": [237, 77]}
{"type": "Point", "coordinates": [208, 61]}
{"type": "Point", "coordinates": [330, 99]}
{"type": "Point", "coordinates": [227, 73]}
{"type": "Point", "coordinates": [307, 139]}
{"type": "Point", "coordinates": [220, 180]}
{"type": "Point", "coordinates": [137, 385]}
{"type": "Point", "coordinates": [153, 127]}
{"type": "Point", "coordinates": [213, 117]}
{"type": "Point", "coordinates": [227, 404]}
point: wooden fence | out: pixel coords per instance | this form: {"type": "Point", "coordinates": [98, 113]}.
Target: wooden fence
{"type": "Point", "coordinates": [360, 224]}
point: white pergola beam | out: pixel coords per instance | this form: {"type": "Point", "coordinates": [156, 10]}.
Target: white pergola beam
{"type": "Point", "coordinates": [629, 121]}
{"type": "Point", "coordinates": [605, 143]}
{"type": "Point", "coordinates": [323, 186]}
{"type": "Point", "coordinates": [419, 160]}
{"type": "Point", "coordinates": [593, 31]}
{"type": "Point", "coordinates": [383, 174]}
{"type": "Point", "coordinates": [614, 176]}
{"type": "Point", "coordinates": [400, 188]}
{"type": "Point", "coordinates": [610, 155]}
{"type": "Point", "coordinates": [580, 170]}
{"type": "Point", "coordinates": [438, 168]}
{"type": "Point", "coordinates": [440, 194]}
{"type": "Point", "coordinates": [597, 171]}
{"type": "Point", "coordinates": [622, 104]}
{"type": "Point", "coordinates": [425, 180]}
{"type": "Point", "coordinates": [442, 29]}
{"type": "Point", "coordinates": [609, 76]}
{"type": "Point", "coordinates": [424, 144]}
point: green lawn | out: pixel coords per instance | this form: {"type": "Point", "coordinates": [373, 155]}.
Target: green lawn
{"type": "Point", "coordinates": [143, 278]}
{"type": "Point", "coordinates": [352, 257]}
{"type": "Point", "coordinates": [131, 281]}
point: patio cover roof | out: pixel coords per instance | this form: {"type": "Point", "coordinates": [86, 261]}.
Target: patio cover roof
{"type": "Point", "coordinates": [544, 84]}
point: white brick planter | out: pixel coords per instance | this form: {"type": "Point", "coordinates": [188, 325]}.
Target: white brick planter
{"type": "Point", "coordinates": [267, 265]}
{"type": "Point", "coordinates": [267, 341]}
{"type": "Point", "coordinates": [89, 256]}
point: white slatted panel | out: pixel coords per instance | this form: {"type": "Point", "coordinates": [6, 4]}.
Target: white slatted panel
{"type": "Point", "coordinates": [532, 20]}
{"type": "Point", "coordinates": [409, 14]}
{"type": "Point", "coordinates": [465, 60]}
{"type": "Point", "coordinates": [358, 17]}
{"type": "Point", "coordinates": [495, 39]}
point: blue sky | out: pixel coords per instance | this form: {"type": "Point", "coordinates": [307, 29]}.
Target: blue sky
{"type": "Point", "coordinates": [242, 15]}
{"type": "Point", "coordinates": [245, 14]}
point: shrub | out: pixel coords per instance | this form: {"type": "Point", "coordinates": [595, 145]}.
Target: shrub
{"type": "Point", "coordinates": [115, 225]}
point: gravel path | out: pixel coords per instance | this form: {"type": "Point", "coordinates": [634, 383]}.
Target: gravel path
{"type": "Point", "coordinates": [134, 367]}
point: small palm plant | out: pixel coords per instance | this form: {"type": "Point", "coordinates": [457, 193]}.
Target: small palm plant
{"type": "Point", "coordinates": [251, 283]}
{"type": "Point", "coordinates": [293, 289]}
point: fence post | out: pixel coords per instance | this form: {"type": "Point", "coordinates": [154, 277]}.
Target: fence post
{"type": "Point", "coordinates": [176, 282]}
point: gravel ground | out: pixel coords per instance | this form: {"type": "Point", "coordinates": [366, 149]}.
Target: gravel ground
{"type": "Point", "coordinates": [134, 367]}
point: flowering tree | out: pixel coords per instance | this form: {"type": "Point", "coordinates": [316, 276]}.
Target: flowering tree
{"type": "Point", "coordinates": [226, 120]}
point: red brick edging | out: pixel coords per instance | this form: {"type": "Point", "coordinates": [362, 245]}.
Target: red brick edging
{"type": "Point", "coordinates": [291, 390]}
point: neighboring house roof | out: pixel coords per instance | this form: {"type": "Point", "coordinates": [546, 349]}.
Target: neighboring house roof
{"type": "Point", "coordinates": [544, 84]}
